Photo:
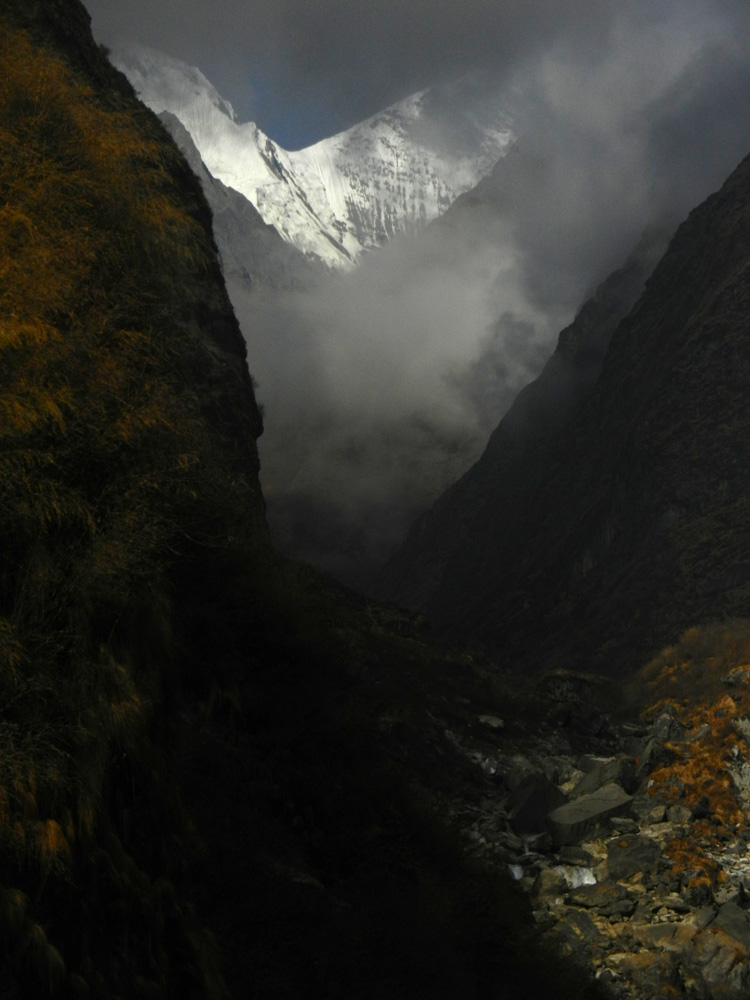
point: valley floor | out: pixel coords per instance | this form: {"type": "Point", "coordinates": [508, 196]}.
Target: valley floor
{"type": "Point", "coordinates": [639, 880]}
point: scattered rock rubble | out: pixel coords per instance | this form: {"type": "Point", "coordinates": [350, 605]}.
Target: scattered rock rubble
{"type": "Point", "coordinates": [627, 875]}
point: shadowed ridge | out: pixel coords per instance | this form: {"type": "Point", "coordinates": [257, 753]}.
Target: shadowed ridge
{"type": "Point", "coordinates": [636, 526]}
{"type": "Point", "coordinates": [521, 448]}
{"type": "Point", "coordinates": [127, 461]}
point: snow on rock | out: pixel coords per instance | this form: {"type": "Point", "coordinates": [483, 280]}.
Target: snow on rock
{"type": "Point", "coordinates": [390, 174]}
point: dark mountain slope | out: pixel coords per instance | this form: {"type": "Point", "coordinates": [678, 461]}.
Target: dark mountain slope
{"type": "Point", "coordinates": [127, 468]}
{"type": "Point", "coordinates": [193, 733]}
{"type": "Point", "coordinates": [520, 450]}
{"type": "Point", "coordinates": [636, 523]}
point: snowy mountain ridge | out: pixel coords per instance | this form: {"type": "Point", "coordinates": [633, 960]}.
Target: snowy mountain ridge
{"type": "Point", "coordinates": [334, 200]}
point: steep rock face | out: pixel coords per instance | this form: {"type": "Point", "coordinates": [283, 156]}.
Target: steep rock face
{"type": "Point", "coordinates": [636, 524]}
{"type": "Point", "coordinates": [347, 194]}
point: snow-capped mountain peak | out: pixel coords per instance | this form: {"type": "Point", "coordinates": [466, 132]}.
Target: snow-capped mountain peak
{"type": "Point", "coordinates": [347, 194]}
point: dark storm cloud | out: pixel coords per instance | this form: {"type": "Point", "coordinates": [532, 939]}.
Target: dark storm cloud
{"type": "Point", "coordinates": [346, 58]}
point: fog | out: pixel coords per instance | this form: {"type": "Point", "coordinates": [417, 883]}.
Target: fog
{"type": "Point", "coordinates": [381, 386]}
{"type": "Point", "coordinates": [373, 404]}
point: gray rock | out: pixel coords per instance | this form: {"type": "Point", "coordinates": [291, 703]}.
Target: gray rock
{"type": "Point", "coordinates": [651, 971]}
{"type": "Point", "coordinates": [675, 786]}
{"type": "Point", "coordinates": [719, 966]}
{"type": "Point", "coordinates": [736, 923]}
{"type": "Point", "coordinates": [558, 769]}
{"type": "Point", "coordinates": [643, 803]}
{"type": "Point", "coordinates": [569, 823]}
{"type": "Point", "coordinates": [602, 896]}
{"type": "Point", "coordinates": [623, 824]}
{"type": "Point", "coordinates": [654, 935]}
{"type": "Point", "coordinates": [622, 908]}
{"type": "Point", "coordinates": [516, 770]}
{"type": "Point", "coordinates": [634, 745]}
{"type": "Point", "coordinates": [655, 754]}
{"type": "Point", "coordinates": [740, 772]}
{"type": "Point", "coordinates": [571, 854]}
{"type": "Point", "coordinates": [628, 855]}
{"type": "Point", "coordinates": [737, 677]}
{"type": "Point", "coordinates": [587, 763]}
{"type": "Point", "coordinates": [737, 982]}
{"type": "Point", "coordinates": [702, 917]}
{"type": "Point", "coordinates": [679, 814]}
{"type": "Point", "coordinates": [538, 842]}
{"type": "Point", "coordinates": [548, 885]}
{"type": "Point", "coordinates": [644, 911]}
{"type": "Point", "coordinates": [582, 924]}
{"type": "Point", "coordinates": [743, 727]}
{"type": "Point", "coordinates": [633, 729]}
{"type": "Point", "coordinates": [511, 841]}
{"type": "Point", "coordinates": [564, 940]}
{"type": "Point", "coordinates": [737, 846]}
{"type": "Point", "coordinates": [700, 894]}
{"type": "Point", "coordinates": [677, 904]}
{"type": "Point", "coordinates": [621, 771]}
{"type": "Point", "coordinates": [667, 728]}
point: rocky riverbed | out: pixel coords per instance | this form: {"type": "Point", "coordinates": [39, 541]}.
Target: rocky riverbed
{"type": "Point", "coordinates": [629, 839]}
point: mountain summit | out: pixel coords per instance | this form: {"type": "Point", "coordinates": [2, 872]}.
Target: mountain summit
{"type": "Point", "coordinates": [352, 192]}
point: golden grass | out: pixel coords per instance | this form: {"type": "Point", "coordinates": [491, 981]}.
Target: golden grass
{"type": "Point", "coordinates": [54, 849]}
{"type": "Point", "coordinates": [704, 681]}
{"type": "Point", "coordinates": [695, 667]}
{"type": "Point", "coordinates": [107, 464]}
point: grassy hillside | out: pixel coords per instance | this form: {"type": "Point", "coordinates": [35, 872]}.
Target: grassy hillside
{"type": "Point", "coordinates": [116, 470]}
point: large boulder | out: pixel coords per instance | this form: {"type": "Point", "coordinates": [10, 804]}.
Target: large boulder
{"type": "Point", "coordinates": [628, 855]}
{"type": "Point", "coordinates": [620, 770]}
{"type": "Point", "coordinates": [735, 922]}
{"type": "Point", "coordinates": [569, 823]}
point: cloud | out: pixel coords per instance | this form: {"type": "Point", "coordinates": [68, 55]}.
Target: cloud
{"type": "Point", "coordinates": [370, 411]}
{"type": "Point", "coordinates": [382, 386]}
{"type": "Point", "coordinates": [339, 60]}
{"type": "Point", "coordinates": [297, 66]}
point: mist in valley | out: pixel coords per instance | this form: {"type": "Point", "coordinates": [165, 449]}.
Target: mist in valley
{"type": "Point", "coordinates": [381, 385]}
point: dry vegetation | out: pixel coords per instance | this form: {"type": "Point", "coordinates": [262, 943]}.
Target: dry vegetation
{"type": "Point", "coordinates": [704, 680]}
{"type": "Point", "coordinates": [108, 473]}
